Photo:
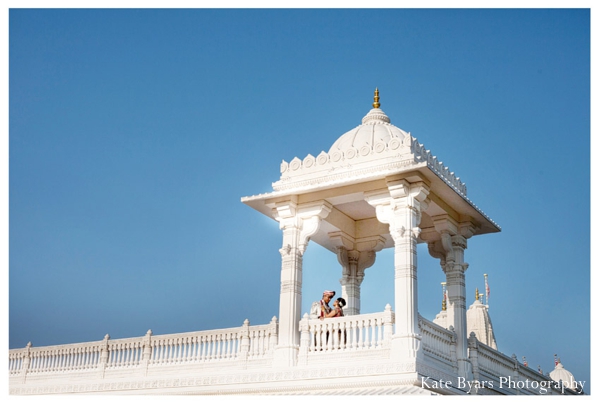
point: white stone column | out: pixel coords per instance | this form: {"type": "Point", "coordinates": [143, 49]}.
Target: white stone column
{"type": "Point", "coordinates": [298, 223]}
{"type": "Point", "coordinates": [454, 242]}
{"type": "Point", "coordinates": [355, 256]}
{"type": "Point", "coordinates": [400, 207]}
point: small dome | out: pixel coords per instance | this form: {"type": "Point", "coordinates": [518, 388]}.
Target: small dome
{"type": "Point", "coordinates": [560, 374]}
{"type": "Point", "coordinates": [375, 128]}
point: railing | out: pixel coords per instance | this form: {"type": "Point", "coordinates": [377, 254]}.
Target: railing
{"type": "Point", "coordinates": [507, 373]}
{"type": "Point", "coordinates": [240, 343]}
{"type": "Point", "coordinates": [489, 363]}
{"type": "Point", "coordinates": [352, 333]}
{"type": "Point", "coordinates": [438, 342]}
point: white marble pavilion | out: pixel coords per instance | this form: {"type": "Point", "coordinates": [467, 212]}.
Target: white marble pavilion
{"type": "Point", "coordinates": [377, 187]}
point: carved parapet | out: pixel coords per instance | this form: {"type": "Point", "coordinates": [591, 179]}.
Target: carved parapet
{"type": "Point", "coordinates": [396, 152]}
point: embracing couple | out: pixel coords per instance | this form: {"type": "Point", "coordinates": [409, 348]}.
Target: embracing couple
{"type": "Point", "coordinates": [325, 311]}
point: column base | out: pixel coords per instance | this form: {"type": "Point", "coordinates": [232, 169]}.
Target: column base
{"type": "Point", "coordinates": [406, 347]}
{"type": "Point", "coordinates": [285, 356]}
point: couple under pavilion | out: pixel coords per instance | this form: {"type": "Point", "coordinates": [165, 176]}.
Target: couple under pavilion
{"type": "Point", "coordinates": [322, 310]}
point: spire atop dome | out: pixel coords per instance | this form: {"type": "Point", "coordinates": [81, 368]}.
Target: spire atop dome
{"type": "Point", "coordinates": [375, 115]}
{"type": "Point", "coordinates": [477, 294]}
{"type": "Point", "coordinates": [443, 296]}
{"type": "Point", "coordinates": [376, 98]}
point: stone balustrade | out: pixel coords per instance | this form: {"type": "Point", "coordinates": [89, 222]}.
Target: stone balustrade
{"type": "Point", "coordinates": [438, 343]}
{"type": "Point", "coordinates": [344, 334]}
{"type": "Point", "coordinates": [508, 374]}
{"type": "Point", "coordinates": [246, 354]}
{"type": "Point", "coordinates": [233, 344]}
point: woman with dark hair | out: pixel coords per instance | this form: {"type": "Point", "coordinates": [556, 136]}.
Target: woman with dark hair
{"type": "Point", "coordinates": [337, 311]}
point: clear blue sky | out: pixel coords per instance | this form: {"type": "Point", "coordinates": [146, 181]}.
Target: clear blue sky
{"type": "Point", "coordinates": [134, 134]}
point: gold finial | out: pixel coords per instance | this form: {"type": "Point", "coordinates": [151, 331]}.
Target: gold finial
{"type": "Point", "coordinates": [477, 294]}
{"type": "Point", "coordinates": [376, 103]}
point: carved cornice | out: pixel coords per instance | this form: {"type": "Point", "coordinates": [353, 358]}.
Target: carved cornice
{"type": "Point", "coordinates": [256, 381]}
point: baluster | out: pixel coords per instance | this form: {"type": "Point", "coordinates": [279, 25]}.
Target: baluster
{"type": "Point", "coordinates": [212, 344]}
{"type": "Point", "coordinates": [72, 359]}
{"type": "Point", "coordinates": [125, 354]}
{"type": "Point", "coordinates": [226, 345]}
{"type": "Point", "coordinates": [66, 357]}
{"type": "Point", "coordinates": [153, 351]}
{"type": "Point", "coordinates": [230, 349]}
{"type": "Point", "coordinates": [42, 360]}
{"type": "Point", "coordinates": [335, 334]}
{"type": "Point", "coordinates": [207, 346]}
{"type": "Point", "coordinates": [158, 351]}
{"type": "Point", "coordinates": [53, 359]}
{"type": "Point", "coordinates": [78, 357]}
{"type": "Point", "coordinates": [163, 351]}
{"type": "Point", "coordinates": [250, 335]}
{"type": "Point", "coordinates": [360, 334]}
{"type": "Point", "coordinates": [57, 360]}
{"type": "Point", "coordinates": [46, 363]}
{"type": "Point", "coordinates": [178, 349]}
{"type": "Point", "coordinates": [128, 349]}
{"type": "Point", "coordinates": [61, 359]}
{"type": "Point", "coordinates": [97, 355]}
{"type": "Point", "coordinates": [373, 343]}
{"type": "Point", "coordinates": [32, 362]}
{"type": "Point", "coordinates": [112, 351]}
{"type": "Point", "coordinates": [218, 353]}
{"type": "Point", "coordinates": [186, 349]}
{"type": "Point", "coordinates": [329, 336]}
{"type": "Point", "coordinates": [120, 358]}
{"type": "Point", "coordinates": [35, 361]}
{"type": "Point", "coordinates": [253, 341]}
{"type": "Point", "coordinates": [225, 352]}
{"type": "Point", "coordinates": [193, 347]}
{"type": "Point", "coordinates": [234, 344]}
{"type": "Point", "coordinates": [172, 350]}
{"type": "Point", "coordinates": [261, 342]}
{"type": "Point", "coordinates": [137, 356]}
{"type": "Point", "coordinates": [202, 347]}
{"type": "Point", "coordinates": [85, 357]}
{"type": "Point", "coordinates": [321, 336]}
{"type": "Point", "coordinates": [68, 353]}
{"type": "Point", "coordinates": [222, 346]}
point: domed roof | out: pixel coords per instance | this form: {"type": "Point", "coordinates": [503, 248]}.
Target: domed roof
{"type": "Point", "coordinates": [375, 129]}
{"type": "Point", "coordinates": [561, 374]}
{"type": "Point", "coordinates": [480, 322]}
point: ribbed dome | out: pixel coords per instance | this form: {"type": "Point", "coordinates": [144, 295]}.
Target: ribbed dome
{"type": "Point", "coordinates": [375, 129]}
{"type": "Point", "coordinates": [479, 322]}
{"type": "Point", "coordinates": [561, 374]}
